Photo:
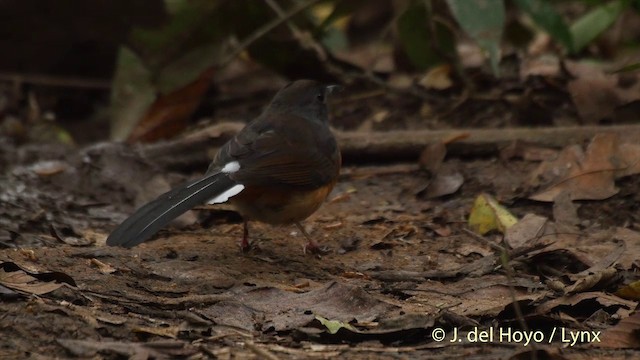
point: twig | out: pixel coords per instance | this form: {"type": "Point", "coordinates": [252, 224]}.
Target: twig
{"type": "Point", "coordinates": [264, 30]}
{"type": "Point", "coordinates": [261, 352]}
{"type": "Point", "coordinates": [504, 260]}
{"type": "Point", "coordinates": [360, 147]}
{"type": "Point", "coordinates": [282, 15]}
{"type": "Point", "coordinates": [60, 81]}
{"type": "Point", "coordinates": [482, 239]}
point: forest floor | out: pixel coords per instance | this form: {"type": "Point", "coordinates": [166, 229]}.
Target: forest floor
{"type": "Point", "coordinates": [405, 276]}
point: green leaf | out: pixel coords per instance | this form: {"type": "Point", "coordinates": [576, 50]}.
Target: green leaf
{"type": "Point", "coordinates": [190, 42]}
{"type": "Point", "coordinates": [131, 95]}
{"type": "Point", "coordinates": [627, 68]}
{"type": "Point", "coordinates": [545, 16]}
{"type": "Point", "coordinates": [484, 21]}
{"type": "Point", "coordinates": [423, 49]}
{"type": "Point", "coordinates": [333, 326]}
{"type": "Point", "coordinates": [593, 23]}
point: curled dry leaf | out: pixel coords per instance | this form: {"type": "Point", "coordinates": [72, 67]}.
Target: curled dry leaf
{"type": "Point", "coordinates": [16, 278]}
{"type": "Point", "coordinates": [598, 300]}
{"type": "Point", "coordinates": [442, 185]}
{"type": "Point", "coordinates": [590, 281]}
{"type": "Point", "coordinates": [103, 267]}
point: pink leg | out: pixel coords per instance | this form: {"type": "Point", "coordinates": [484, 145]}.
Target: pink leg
{"type": "Point", "coordinates": [244, 244]}
{"type": "Point", "coordinates": [312, 246]}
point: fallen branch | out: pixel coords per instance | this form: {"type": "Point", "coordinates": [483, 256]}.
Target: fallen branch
{"type": "Point", "coordinates": [197, 148]}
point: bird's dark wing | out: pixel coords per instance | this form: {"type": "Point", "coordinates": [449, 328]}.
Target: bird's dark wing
{"type": "Point", "coordinates": [304, 156]}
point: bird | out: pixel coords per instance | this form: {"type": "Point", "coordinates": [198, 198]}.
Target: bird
{"type": "Point", "coordinates": [278, 170]}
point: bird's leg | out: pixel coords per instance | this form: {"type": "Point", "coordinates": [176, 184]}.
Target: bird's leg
{"type": "Point", "coordinates": [244, 244]}
{"type": "Point", "coordinates": [312, 246]}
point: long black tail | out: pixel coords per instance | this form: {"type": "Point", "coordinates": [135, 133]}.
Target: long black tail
{"type": "Point", "coordinates": [151, 217]}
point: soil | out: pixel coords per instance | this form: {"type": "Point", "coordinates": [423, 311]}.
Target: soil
{"type": "Point", "coordinates": [400, 269]}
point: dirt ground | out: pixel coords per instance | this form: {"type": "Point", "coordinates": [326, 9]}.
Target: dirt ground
{"type": "Point", "coordinates": [406, 275]}
{"type": "Point", "coordinates": [400, 270]}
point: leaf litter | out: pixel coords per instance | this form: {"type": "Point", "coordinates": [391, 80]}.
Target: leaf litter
{"type": "Point", "coordinates": [407, 265]}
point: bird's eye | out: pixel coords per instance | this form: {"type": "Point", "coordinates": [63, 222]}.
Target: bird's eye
{"type": "Point", "coordinates": [320, 97]}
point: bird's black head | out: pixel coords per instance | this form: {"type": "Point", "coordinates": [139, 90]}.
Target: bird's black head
{"type": "Point", "coordinates": [306, 98]}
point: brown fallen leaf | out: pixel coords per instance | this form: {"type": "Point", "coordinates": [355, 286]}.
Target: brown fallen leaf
{"type": "Point", "coordinates": [442, 185]}
{"type": "Point", "coordinates": [595, 97]}
{"type": "Point", "coordinates": [583, 175]}
{"type": "Point", "coordinates": [335, 300]}
{"type": "Point", "coordinates": [167, 349]}
{"type": "Point", "coordinates": [432, 157]}
{"type": "Point", "coordinates": [590, 281]}
{"type": "Point", "coordinates": [599, 95]}
{"type": "Point", "coordinates": [621, 307]}
{"type": "Point", "coordinates": [14, 277]}
{"type": "Point", "coordinates": [525, 231]}
{"type": "Point", "coordinates": [169, 113]}
{"type": "Point", "coordinates": [628, 160]}
{"type": "Point", "coordinates": [168, 331]}
{"type": "Point", "coordinates": [622, 336]}
{"type": "Point", "coordinates": [565, 213]}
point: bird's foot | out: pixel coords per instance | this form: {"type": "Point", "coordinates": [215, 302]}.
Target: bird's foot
{"type": "Point", "coordinates": [247, 247]}
{"type": "Point", "coordinates": [314, 248]}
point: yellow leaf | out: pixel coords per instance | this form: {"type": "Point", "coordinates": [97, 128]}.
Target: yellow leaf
{"type": "Point", "coordinates": [487, 214]}
{"type": "Point", "coordinates": [631, 291]}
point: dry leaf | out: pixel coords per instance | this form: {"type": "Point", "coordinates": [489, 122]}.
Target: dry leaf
{"type": "Point", "coordinates": [168, 331]}
{"type": "Point", "coordinates": [438, 78]}
{"type": "Point", "coordinates": [622, 336]}
{"type": "Point", "coordinates": [169, 113]}
{"type": "Point", "coordinates": [487, 214]}
{"type": "Point", "coordinates": [526, 230]}
{"type": "Point", "coordinates": [442, 185]}
{"type": "Point", "coordinates": [628, 160]}
{"type": "Point", "coordinates": [565, 212]}
{"type": "Point", "coordinates": [590, 281]}
{"type": "Point", "coordinates": [624, 307]}
{"type": "Point", "coordinates": [103, 267]}
{"type": "Point", "coordinates": [432, 157]}
{"type": "Point", "coordinates": [14, 277]}
{"type": "Point", "coordinates": [630, 291]}
{"type": "Point", "coordinates": [584, 176]}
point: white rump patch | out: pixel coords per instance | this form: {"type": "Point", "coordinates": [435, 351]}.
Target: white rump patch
{"type": "Point", "coordinates": [235, 190]}
{"type": "Point", "coordinates": [230, 168]}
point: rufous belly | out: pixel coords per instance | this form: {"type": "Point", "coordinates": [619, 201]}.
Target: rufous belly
{"type": "Point", "coordinates": [276, 206]}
